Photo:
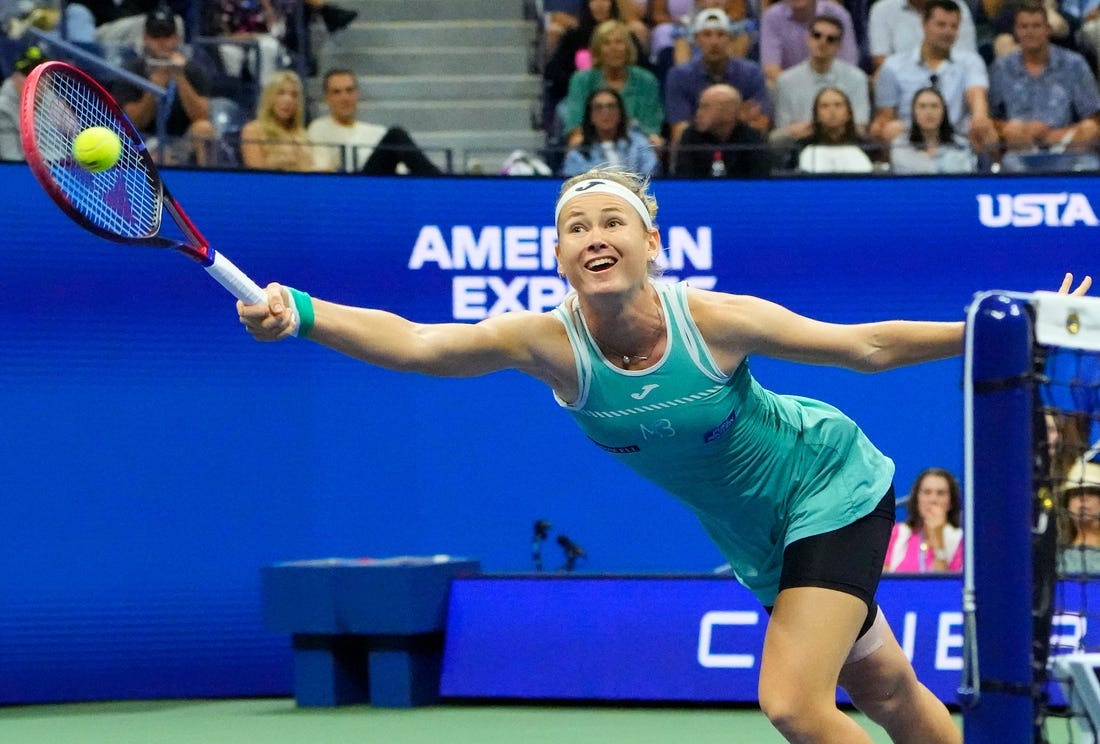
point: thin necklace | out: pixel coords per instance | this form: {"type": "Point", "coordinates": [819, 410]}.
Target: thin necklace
{"type": "Point", "coordinates": [629, 359]}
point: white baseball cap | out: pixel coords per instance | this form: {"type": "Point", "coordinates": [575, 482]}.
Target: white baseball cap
{"type": "Point", "coordinates": [711, 18]}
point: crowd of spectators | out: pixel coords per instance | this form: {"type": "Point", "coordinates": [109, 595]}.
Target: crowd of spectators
{"type": "Point", "coordinates": [846, 86]}
{"type": "Point", "coordinates": [680, 88]}
{"type": "Point", "coordinates": [221, 84]}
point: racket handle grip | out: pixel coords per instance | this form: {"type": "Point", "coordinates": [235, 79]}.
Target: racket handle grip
{"type": "Point", "coordinates": [235, 280]}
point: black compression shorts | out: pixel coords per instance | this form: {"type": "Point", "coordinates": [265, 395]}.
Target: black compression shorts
{"type": "Point", "coordinates": [848, 559]}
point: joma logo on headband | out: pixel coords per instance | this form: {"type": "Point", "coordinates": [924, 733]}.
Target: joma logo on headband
{"type": "Point", "coordinates": [590, 184]}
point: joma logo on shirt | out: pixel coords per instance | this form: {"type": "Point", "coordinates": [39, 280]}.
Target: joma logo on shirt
{"type": "Point", "coordinates": [1031, 210]}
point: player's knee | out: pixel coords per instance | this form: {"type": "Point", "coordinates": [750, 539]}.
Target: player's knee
{"type": "Point", "coordinates": [790, 712]}
{"type": "Point", "coordinates": [777, 707]}
{"type": "Point", "coordinates": [797, 721]}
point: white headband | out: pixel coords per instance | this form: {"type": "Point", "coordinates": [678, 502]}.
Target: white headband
{"type": "Point", "coordinates": [602, 186]}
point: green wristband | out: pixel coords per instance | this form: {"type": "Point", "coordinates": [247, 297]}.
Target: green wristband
{"type": "Point", "coordinates": [303, 303]}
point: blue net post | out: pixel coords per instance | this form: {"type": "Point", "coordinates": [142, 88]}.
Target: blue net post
{"type": "Point", "coordinates": [999, 523]}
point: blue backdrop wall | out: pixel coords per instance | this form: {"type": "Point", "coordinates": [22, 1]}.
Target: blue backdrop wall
{"type": "Point", "coordinates": [154, 457]}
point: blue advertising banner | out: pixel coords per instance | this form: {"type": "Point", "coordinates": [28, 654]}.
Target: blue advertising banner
{"type": "Point", "coordinates": [155, 458]}
{"type": "Point", "coordinates": [676, 638]}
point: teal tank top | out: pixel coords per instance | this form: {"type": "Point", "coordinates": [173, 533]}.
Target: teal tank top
{"type": "Point", "coordinates": [760, 470]}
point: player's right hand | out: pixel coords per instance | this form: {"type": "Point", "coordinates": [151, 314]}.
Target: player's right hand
{"type": "Point", "coordinates": [272, 321]}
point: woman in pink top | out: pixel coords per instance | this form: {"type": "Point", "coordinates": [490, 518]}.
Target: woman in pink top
{"type": "Point", "coordinates": [930, 539]}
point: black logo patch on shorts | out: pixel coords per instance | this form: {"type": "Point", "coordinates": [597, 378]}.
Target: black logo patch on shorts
{"type": "Point", "coordinates": [627, 450]}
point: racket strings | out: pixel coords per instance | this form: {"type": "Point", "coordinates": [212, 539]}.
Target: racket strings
{"type": "Point", "coordinates": [124, 199]}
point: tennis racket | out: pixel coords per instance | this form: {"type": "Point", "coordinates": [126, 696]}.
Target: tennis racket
{"type": "Point", "coordinates": [124, 203]}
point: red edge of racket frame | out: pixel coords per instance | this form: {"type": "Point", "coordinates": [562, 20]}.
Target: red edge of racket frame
{"type": "Point", "coordinates": [198, 249]}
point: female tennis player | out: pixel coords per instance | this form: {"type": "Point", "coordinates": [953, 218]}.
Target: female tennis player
{"type": "Point", "coordinates": [790, 489]}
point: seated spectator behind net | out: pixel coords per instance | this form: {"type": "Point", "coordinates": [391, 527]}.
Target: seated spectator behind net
{"type": "Point", "coordinates": [607, 139]}
{"type": "Point", "coordinates": [572, 53]}
{"type": "Point", "coordinates": [1079, 520]}
{"type": "Point", "coordinates": [783, 29]}
{"type": "Point", "coordinates": [11, 144]}
{"type": "Point", "coordinates": [930, 540]}
{"type": "Point", "coordinates": [614, 66]}
{"type": "Point", "coordinates": [718, 144]}
{"type": "Point", "coordinates": [343, 143]}
{"type": "Point", "coordinates": [672, 42]}
{"type": "Point", "coordinates": [796, 88]}
{"type": "Point", "coordinates": [835, 145]}
{"type": "Point", "coordinates": [685, 83]}
{"type": "Point", "coordinates": [931, 145]}
{"type": "Point", "coordinates": [120, 25]}
{"type": "Point", "coordinates": [1002, 24]}
{"type": "Point", "coordinates": [959, 75]}
{"type": "Point", "coordinates": [167, 63]}
{"type": "Point", "coordinates": [895, 26]}
{"type": "Point", "coordinates": [1043, 95]}
{"type": "Point", "coordinates": [277, 139]}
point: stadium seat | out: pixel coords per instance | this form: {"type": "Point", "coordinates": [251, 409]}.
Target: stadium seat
{"type": "Point", "coordinates": [228, 118]}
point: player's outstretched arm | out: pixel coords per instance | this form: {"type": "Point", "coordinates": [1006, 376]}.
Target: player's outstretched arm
{"type": "Point", "coordinates": [519, 340]}
{"type": "Point", "coordinates": [737, 326]}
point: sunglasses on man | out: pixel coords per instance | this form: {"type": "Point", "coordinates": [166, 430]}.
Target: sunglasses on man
{"type": "Point", "coordinates": [829, 38]}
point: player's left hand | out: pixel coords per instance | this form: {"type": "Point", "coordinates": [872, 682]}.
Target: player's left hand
{"type": "Point", "coordinates": [1082, 288]}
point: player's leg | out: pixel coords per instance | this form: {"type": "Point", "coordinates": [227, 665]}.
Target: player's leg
{"type": "Point", "coordinates": [884, 686]}
{"type": "Point", "coordinates": [808, 638]}
{"type": "Point", "coordinates": [826, 602]}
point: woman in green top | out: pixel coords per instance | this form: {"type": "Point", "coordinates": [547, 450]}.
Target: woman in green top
{"type": "Point", "coordinates": [614, 65]}
{"type": "Point", "coordinates": [790, 489]}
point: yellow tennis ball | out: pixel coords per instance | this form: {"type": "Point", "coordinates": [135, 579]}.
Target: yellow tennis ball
{"type": "Point", "coordinates": [96, 149]}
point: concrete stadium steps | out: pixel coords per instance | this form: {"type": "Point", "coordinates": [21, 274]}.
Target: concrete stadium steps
{"type": "Point", "coordinates": [443, 61]}
{"type": "Point", "coordinates": [437, 10]}
{"type": "Point", "coordinates": [374, 88]}
{"type": "Point", "coordinates": [457, 74]}
{"type": "Point", "coordinates": [421, 116]}
{"type": "Point", "coordinates": [368, 34]}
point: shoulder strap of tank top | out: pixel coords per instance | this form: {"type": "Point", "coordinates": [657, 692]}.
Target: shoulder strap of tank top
{"type": "Point", "coordinates": [675, 300]}
{"type": "Point", "coordinates": [568, 313]}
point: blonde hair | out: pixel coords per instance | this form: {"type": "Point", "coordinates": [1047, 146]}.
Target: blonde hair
{"type": "Point", "coordinates": [636, 183]}
{"type": "Point", "coordinates": [272, 127]}
{"type": "Point", "coordinates": [599, 36]}
{"type": "Point", "coordinates": [282, 145]}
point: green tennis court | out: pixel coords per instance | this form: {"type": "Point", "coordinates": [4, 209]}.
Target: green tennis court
{"type": "Point", "coordinates": [278, 721]}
